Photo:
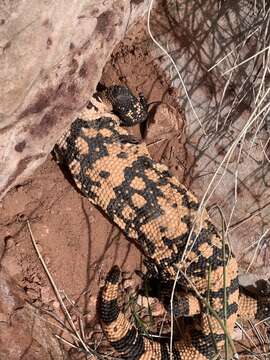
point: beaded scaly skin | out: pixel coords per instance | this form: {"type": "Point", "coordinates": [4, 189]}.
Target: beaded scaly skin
{"type": "Point", "coordinates": [117, 174]}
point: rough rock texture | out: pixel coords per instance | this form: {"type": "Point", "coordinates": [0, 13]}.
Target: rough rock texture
{"type": "Point", "coordinates": [24, 335]}
{"type": "Point", "coordinates": [51, 57]}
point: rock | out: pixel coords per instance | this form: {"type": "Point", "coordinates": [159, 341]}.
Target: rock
{"type": "Point", "coordinates": [166, 124]}
{"type": "Point", "coordinates": [27, 336]}
{"type": "Point", "coordinates": [46, 294]}
{"type": "Point", "coordinates": [52, 56]}
{"type": "Point", "coordinates": [23, 333]}
{"type": "Point", "coordinates": [129, 283]}
{"type": "Point", "coordinates": [11, 296]}
{"type": "Point", "coordinates": [10, 264]}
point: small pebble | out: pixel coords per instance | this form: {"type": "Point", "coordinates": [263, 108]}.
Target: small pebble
{"type": "Point", "coordinates": [129, 283]}
{"type": "Point", "coordinates": [32, 293]}
{"type": "Point", "coordinates": [10, 242]}
{"type": "Point", "coordinates": [4, 317]}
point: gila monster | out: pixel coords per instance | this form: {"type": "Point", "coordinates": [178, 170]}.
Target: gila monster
{"type": "Point", "coordinates": [117, 173]}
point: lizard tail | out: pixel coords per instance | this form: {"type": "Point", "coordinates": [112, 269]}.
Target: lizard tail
{"type": "Point", "coordinates": [130, 344]}
{"type": "Point", "coordinates": [120, 333]}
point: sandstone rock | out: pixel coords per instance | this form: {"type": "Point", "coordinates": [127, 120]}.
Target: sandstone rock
{"type": "Point", "coordinates": [51, 59]}
{"type": "Point", "coordinates": [11, 297]}
{"type": "Point", "coordinates": [23, 333]}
